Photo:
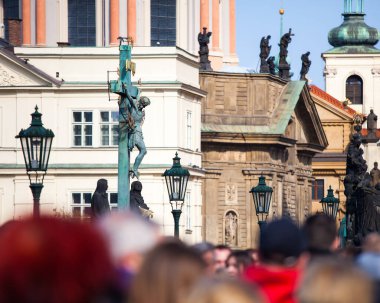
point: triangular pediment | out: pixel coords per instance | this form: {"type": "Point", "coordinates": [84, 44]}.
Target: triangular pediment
{"type": "Point", "coordinates": [305, 125]}
{"type": "Point", "coordinates": [16, 72]}
{"type": "Point", "coordinates": [329, 108]}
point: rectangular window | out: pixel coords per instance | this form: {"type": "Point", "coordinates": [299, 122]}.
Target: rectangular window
{"type": "Point", "coordinates": [81, 22]}
{"type": "Point", "coordinates": [188, 130]}
{"type": "Point", "coordinates": [163, 22]}
{"type": "Point", "coordinates": [82, 128]}
{"type": "Point", "coordinates": [81, 204]}
{"type": "Point", "coordinates": [318, 189]}
{"type": "Point", "coordinates": [188, 211]}
{"type": "Point", "coordinates": [109, 128]}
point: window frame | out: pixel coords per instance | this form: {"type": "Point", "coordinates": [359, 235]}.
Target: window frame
{"type": "Point", "coordinates": [82, 123]}
{"type": "Point", "coordinates": [316, 185]}
{"type": "Point", "coordinates": [110, 123]}
{"type": "Point", "coordinates": [354, 89]}
{"type": "Point", "coordinates": [111, 196]}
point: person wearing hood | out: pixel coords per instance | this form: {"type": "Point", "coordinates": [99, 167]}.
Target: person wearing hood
{"type": "Point", "coordinates": [99, 200]}
{"type": "Point", "coordinates": [280, 252]}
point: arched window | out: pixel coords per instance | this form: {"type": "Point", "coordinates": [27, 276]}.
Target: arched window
{"type": "Point", "coordinates": [354, 89]}
{"type": "Point", "coordinates": [163, 22]}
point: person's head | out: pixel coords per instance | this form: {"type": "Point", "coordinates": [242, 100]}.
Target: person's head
{"type": "Point", "coordinates": [375, 164]}
{"type": "Point", "coordinates": [321, 234]}
{"type": "Point", "coordinates": [206, 251]}
{"type": "Point", "coordinates": [143, 102]}
{"type": "Point", "coordinates": [221, 253]}
{"type": "Point", "coordinates": [168, 273]}
{"type": "Point", "coordinates": [222, 291]}
{"type": "Point", "coordinates": [372, 243]}
{"type": "Point", "coordinates": [53, 260]}
{"type": "Point", "coordinates": [254, 253]}
{"type": "Point", "coordinates": [101, 186]}
{"type": "Point", "coordinates": [335, 281]}
{"type": "Point", "coordinates": [281, 243]}
{"type": "Point", "coordinates": [237, 262]}
{"type": "Point", "coordinates": [136, 186]}
{"type": "Point", "coordinates": [129, 237]}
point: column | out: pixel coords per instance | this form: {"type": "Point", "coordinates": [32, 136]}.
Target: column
{"type": "Point", "coordinates": [232, 27]}
{"type": "Point", "coordinates": [215, 24]}
{"type": "Point", "coordinates": [26, 34]}
{"type": "Point", "coordinates": [205, 14]}
{"type": "Point", "coordinates": [114, 21]}
{"type": "Point", "coordinates": [40, 22]}
{"type": "Point", "coordinates": [131, 19]}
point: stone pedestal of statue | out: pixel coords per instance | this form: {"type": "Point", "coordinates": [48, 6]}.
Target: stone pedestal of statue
{"type": "Point", "coordinates": [284, 71]}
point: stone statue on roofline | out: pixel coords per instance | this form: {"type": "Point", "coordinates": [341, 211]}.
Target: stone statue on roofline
{"type": "Point", "coordinates": [204, 40]}
{"type": "Point", "coordinates": [264, 53]}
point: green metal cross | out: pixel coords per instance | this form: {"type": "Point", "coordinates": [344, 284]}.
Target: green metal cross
{"type": "Point", "coordinates": [124, 88]}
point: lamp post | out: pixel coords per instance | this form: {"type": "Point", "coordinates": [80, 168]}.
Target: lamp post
{"type": "Point", "coordinates": [262, 196]}
{"type": "Point", "coordinates": [36, 145]}
{"type": "Point", "coordinates": [330, 204]}
{"type": "Point", "coordinates": [176, 182]}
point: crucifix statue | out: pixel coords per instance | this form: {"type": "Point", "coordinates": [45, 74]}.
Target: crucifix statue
{"type": "Point", "coordinates": [131, 117]}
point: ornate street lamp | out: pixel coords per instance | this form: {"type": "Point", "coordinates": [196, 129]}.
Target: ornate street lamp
{"type": "Point", "coordinates": [262, 196]}
{"type": "Point", "coordinates": [36, 145]}
{"type": "Point", "coordinates": [176, 181]}
{"type": "Point", "coordinates": [330, 204]}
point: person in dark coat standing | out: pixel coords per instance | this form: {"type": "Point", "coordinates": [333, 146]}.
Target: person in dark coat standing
{"type": "Point", "coordinates": [99, 201]}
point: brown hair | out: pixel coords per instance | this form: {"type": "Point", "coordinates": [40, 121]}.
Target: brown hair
{"type": "Point", "coordinates": [167, 274]}
{"type": "Point", "coordinates": [335, 281]}
{"type": "Point", "coordinates": [223, 290]}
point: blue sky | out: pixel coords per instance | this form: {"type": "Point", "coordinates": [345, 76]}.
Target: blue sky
{"type": "Point", "coordinates": [310, 21]}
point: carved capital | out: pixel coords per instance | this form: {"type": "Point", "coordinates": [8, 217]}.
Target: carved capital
{"type": "Point", "coordinates": [375, 72]}
{"type": "Point", "coordinates": [329, 72]}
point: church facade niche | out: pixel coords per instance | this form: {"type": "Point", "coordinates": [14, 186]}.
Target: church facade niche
{"type": "Point", "coordinates": [231, 228]}
{"type": "Point", "coordinates": [354, 89]}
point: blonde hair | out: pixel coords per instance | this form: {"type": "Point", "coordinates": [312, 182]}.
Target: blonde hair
{"type": "Point", "coordinates": [223, 291]}
{"type": "Point", "coordinates": [335, 281]}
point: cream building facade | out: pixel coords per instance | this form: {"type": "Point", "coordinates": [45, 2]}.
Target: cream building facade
{"type": "Point", "coordinates": [64, 52]}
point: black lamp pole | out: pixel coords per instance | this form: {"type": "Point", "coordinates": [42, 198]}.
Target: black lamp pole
{"type": "Point", "coordinates": [262, 196]}
{"type": "Point", "coordinates": [176, 182]}
{"type": "Point", "coordinates": [36, 146]}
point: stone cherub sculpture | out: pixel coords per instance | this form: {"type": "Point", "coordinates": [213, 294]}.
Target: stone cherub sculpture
{"type": "Point", "coordinates": [204, 40]}
{"type": "Point", "coordinates": [306, 62]}
{"type": "Point", "coordinates": [264, 53]}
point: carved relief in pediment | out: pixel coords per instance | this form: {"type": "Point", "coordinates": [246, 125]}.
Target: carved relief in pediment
{"type": "Point", "coordinates": [9, 77]}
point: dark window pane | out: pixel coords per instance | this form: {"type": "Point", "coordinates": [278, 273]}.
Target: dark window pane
{"type": "Point", "coordinates": [87, 197]}
{"type": "Point", "coordinates": [76, 198]}
{"type": "Point", "coordinates": [88, 116]}
{"type": "Point", "coordinates": [81, 22]}
{"type": "Point", "coordinates": [76, 212]}
{"type": "Point", "coordinates": [163, 19]}
{"type": "Point", "coordinates": [77, 116]}
{"type": "Point", "coordinates": [354, 89]}
{"type": "Point", "coordinates": [87, 212]}
{"type": "Point", "coordinates": [113, 198]}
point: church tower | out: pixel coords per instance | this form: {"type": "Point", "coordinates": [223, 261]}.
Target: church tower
{"type": "Point", "coordinates": [352, 66]}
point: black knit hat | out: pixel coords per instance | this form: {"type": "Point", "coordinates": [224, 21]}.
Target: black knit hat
{"type": "Point", "coordinates": [282, 239]}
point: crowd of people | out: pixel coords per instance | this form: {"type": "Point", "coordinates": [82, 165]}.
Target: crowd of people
{"type": "Point", "coordinates": [122, 257]}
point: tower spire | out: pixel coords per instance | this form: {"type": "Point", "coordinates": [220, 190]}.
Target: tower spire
{"type": "Point", "coordinates": [353, 6]}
